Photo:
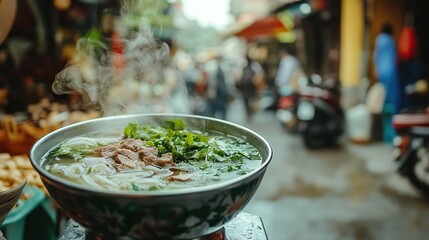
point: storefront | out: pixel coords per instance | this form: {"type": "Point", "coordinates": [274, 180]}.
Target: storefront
{"type": "Point", "coordinates": [321, 35]}
{"type": "Point", "coordinates": [361, 22]}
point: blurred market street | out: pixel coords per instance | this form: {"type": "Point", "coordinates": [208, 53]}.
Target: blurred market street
{"type": "Point", "coordinates": [351, 192]}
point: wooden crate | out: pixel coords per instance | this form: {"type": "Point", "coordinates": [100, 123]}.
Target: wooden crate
{"type": "Point", "coordinates": [16, 141]}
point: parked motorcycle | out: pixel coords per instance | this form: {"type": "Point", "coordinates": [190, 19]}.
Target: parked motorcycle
{"type": "Point", "coordinates": [411, 148]}
{"type": "Point", "coordinates": [320, 116]}
{"type": "Point", "coordinates": [286, 108]}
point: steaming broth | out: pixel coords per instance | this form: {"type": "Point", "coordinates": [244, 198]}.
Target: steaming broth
{"type": "Point", "coordinates": [152, 158]}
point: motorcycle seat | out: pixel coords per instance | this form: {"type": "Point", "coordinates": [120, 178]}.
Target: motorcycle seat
{"type": "Point", "coordinates": [404, 121]}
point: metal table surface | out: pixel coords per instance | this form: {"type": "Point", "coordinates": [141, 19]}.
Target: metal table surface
{"type": "Point", "coordinates": [244, 226]}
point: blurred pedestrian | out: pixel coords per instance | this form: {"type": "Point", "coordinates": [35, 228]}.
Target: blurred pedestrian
{"type": "Point", "coordinates": [175, 88]}
{"type": "Point", "coordinates": [252, 70]}
{"type": "Point", "coordinates": [288, 71]}
{"type": "Point", "coordinates": [385, 59]}
{"type": "Point", "coordinates": [218, 93]}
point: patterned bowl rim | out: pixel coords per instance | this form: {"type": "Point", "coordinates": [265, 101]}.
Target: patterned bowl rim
{"type": "Point", "coordinates": [15, 191]}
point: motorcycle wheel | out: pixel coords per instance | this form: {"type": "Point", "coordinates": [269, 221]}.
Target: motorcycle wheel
{"type": "Point", "coordinates": [418, 171]}
{"type": "Point", "coordinates": [312, 140]}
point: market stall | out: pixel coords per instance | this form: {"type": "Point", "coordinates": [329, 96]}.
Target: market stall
{"type": "Point", "coordinates": [18, 133]}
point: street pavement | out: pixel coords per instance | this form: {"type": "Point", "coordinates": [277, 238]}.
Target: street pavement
{"type": "Point", "coordinates": [350, 192]}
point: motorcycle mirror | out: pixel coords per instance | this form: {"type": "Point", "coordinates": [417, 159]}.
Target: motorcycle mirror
{"type": "Point", "coordinates": [303, 80]}
{"type": "Point", "coordinates": [316, 79]}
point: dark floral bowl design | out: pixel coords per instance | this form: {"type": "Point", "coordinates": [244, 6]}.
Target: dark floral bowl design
{"type": "Point", "coordinates": [175, 214]}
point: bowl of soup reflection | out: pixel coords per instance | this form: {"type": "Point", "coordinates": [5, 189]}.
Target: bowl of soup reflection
{"type": "Point", "coordinates": [152, 176]}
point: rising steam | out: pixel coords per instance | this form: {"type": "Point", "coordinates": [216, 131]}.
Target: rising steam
{"type": "Point", "coordinates": [128, 82]}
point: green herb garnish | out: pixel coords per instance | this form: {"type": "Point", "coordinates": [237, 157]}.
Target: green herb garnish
{"type": "Point", "coordinates": [196, 147]}
{"type": "Point", "coordinates": [76, 152]}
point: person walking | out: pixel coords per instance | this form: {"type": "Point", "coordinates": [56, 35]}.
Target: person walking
{"type": "Point", "coordinates": [287, 71]}
{"type": "Point", "coordinates": [217, 90]}
{"type": "Point", "coordinates": [385, 60]}
{"type": "Point", "coordinates": [246, 85]}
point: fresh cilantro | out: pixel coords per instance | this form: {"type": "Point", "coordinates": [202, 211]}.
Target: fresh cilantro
{"type": "Point", "coordinates": [175, 124]}
{"type": "Point", "coordinates": [75, 152]}
{"type": "Point", "coordinates": [154, 188]}
{"type": "Point", "coordinates": [131, 130]}
{"type": "Point", "coordinates": [134, 187]}
{"type": "Point", "coordinates": [242, 172]}
{"type": "Point", "coordinates": [196, 147]}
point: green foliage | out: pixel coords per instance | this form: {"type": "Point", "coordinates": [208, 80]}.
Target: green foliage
{"type": "Point", "coordinates": [74, 152]}
{"type": "Point", "coordinates": [196, 147]}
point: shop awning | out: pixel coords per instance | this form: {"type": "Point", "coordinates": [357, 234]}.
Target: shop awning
{"type": "Point", "coordinates": [268, 26]}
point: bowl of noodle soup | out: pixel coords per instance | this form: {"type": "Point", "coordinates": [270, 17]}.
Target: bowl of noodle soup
{"type": "Point", "coordinates": [152, 176]}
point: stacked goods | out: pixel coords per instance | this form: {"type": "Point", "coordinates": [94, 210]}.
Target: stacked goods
{"type": "Point", "coordinates": [17, 136]}
{"type": "Point", "coordinates": [52, 115]}
{"type": "Point", "coordinates": [14, 169]}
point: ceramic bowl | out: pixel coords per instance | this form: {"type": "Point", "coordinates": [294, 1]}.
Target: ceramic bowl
{"type": "Point", "coordinates": [173, 214]}
{"type": "Point", "coordinates": [10, 193]}
{"type": "Point", "coordinates": [9, 198]}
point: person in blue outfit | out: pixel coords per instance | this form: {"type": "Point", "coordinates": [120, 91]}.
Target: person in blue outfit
{"type": "Point", "coordinates": [385, 59]}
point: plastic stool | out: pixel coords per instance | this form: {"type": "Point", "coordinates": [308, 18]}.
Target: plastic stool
{"type": "Point", "coordinates": [14, 225]}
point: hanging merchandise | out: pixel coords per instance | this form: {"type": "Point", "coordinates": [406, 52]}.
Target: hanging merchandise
{"type": "Point", "coordinates": [407, 45]}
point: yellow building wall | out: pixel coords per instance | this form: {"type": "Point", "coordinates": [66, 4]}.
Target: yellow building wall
{"type": "Point", "coordinates": [352, 28]}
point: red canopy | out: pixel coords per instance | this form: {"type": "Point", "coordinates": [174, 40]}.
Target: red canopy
{"type": "Point", "coordinates": [268, 26]}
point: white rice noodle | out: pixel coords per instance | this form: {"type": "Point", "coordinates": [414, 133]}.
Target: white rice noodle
{"type": "Point", "coordinates": [90, 181]}
{"type": "Point", "coordinates": [160, 172]}
{"type": "Point", "coordinates": [146, 183]}
{"type": "Point", "coordinates": [56, 168]}
{"type": "Point", "coordinates": [104, 181]}
{"type": "Point", "coordinates": [75, 170]}
{"type": "Point", "coordinates": [131, 175]}
{"type": "Point", "coordinates": [155, 169]}
{"type": "Point", "coordinates": [91, 161]}
{"type": "Point", "coordinates": [123, 186]}
{"type": "Point", "coordinates": [102, 169]}
{"type": "Point", "coordinates": [165, 174]}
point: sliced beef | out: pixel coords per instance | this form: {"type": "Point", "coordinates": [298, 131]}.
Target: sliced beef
{"type": "Point", "coordinates": [165, 160]}
{"type": "Point", "coordinates": [109, 151]}
{"type": "Point", "coordinates": [148, 159]}
{"type": "Point", "coordinates": [180, 175]}
{"type": "Point", "coordinates": [132, 154]}
{"type": "Point", "coordinates": [133, 144]}
{"type": "Point", "coordinates": [122, 162]}
{"type": "Point", "coordinates": [148, 151]}
{"type": "Point", "coordinates": [184, 177]}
